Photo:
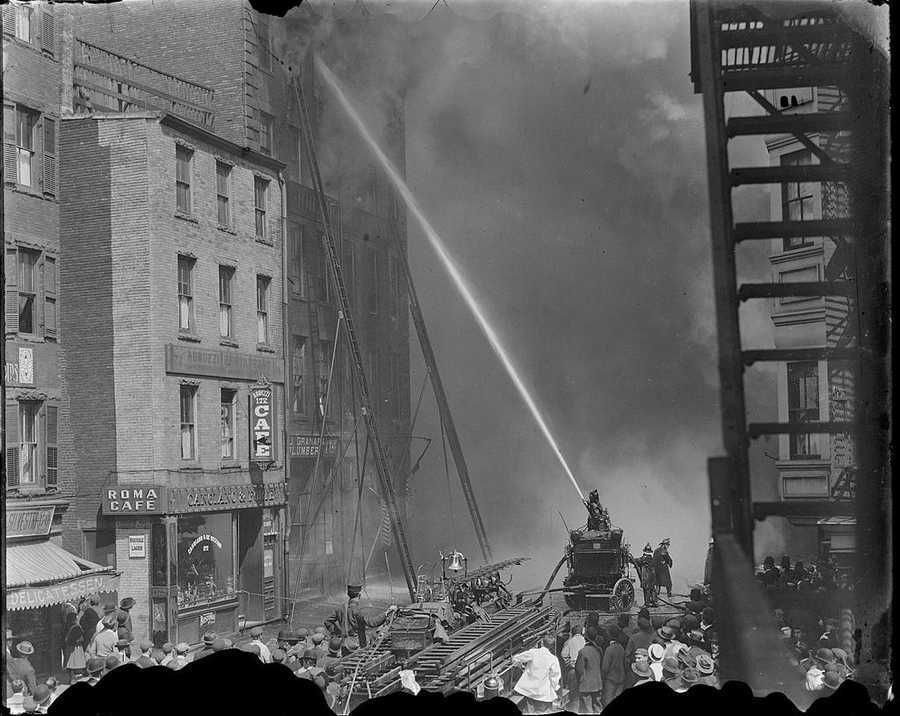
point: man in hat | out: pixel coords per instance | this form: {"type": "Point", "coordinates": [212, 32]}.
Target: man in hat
{"type": "Point", "coordinates": [123, 649]}
{"type": "Point", "coordinates": [94, 668]}
{"type": "Point", "coordinates": [256, 638]}
{"type": "Point", "coordinates": [308, 668]}
{"type": "Point", "coordinates": [16, 700]}
{"type": "Point", "coordinates": [671, 674]}
{"type": "Point", "coordinates": [589, 674]}
{"type": "Point", "coordinates": [613, 665]}
{"type": "Point", "coordinates": [145, 660]}
{"type": "Point", "coordinates": [209, 638]}
{"type": "Point", "coordinates": [829, 638]}
{"type": "Point", "coordinates": [113, 661]}
{"type": "Point", "coordinates": [351, 624]}
{"type": "Point", "coordinates": [641, 670]}
{"type": "Point", "coordinates": [662, 563]}
{"type": "Point", "coordinates": [539, 682]}
{"type": "Point", "coordinates": [19, 666]}
{"type": "Point", "coordinates": [104, 642]}
{"type": "Point", "coordinates": [320, 648]}
{"type": "Point", "coordinates": [598, 520]}
{"type": "Point", "coordinates": [644, 566]}
{"type": "Point", "coordinates": [180, 659]}
{"type": "Point", "coordinates": [298, 642]}
{"type": "Point", "coordinates": [639, 640]}
{"type": "Point", "coordinates": [706, 668]}
{"type": "Point", "coordinates": [333, 654]}
{"type": "Point", "coordinates": [168, 653]}
{"type": "Point", "coordinates": [42, 698]}
{"type": "Point", "coordinates": [125, 611]}
{"type": "Point", "coordinates": [656, 653]}
{"type": "Point", "coordinates": [707, 626]}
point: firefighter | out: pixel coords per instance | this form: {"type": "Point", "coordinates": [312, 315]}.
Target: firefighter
{"type": "Point", "coordinates": [597, 516]}
{"type": "Point", "coordinates": [647, 573]}
{"type": "Point", "coordinates": [662, 564]}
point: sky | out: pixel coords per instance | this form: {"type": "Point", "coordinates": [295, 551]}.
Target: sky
{"type": "Point", "coordinates": [558, 149]}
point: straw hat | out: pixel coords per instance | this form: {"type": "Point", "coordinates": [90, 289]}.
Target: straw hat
{"type": "Point", "coordinates": [656, 652]}
{"type": "Point", "coordinates": [642, 669]}
{"type": "Point", "coordinates": [666, 632]}
{"type": "Point", "coordinates": [705, 664]}
{"type": "Point", "coordinates": [25, 648]}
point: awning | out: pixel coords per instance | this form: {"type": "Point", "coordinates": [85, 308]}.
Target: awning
{"type": "Point", "coordinates": [40, 574]}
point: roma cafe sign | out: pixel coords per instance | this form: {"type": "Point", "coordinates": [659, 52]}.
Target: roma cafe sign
{"type": "Point", "coordinates": [134, 500]}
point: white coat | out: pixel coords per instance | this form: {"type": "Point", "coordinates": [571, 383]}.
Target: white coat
{"type": "Point", "coordinates": [540, 680]}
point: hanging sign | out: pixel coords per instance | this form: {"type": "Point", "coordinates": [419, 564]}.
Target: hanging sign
{"type": "Point", "coordinates": [261, 424]}
{"type": "Point", "coordinates": [137, 546]}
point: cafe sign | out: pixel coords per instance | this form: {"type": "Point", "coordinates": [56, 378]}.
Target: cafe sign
{"type": "Point", "coordinates": [35, 522]}
{"type": "Point", "coordinates": [134, 500]}
{"type": "Point", "coordinates": [262, 418]}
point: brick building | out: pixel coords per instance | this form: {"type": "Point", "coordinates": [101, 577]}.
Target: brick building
{"type": "Point", "coordinates": [171, 291]}
{"type": "Point", "coordinates": [255, 106]}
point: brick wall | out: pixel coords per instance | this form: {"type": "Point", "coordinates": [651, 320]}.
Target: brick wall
{"type": "Point", "coordinates": [135, 576]}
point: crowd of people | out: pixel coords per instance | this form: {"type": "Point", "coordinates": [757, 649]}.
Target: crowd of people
{"type": "Point", "coordinates": [816, 575]}
{"type": "Point", "coordinates": [598, 661]}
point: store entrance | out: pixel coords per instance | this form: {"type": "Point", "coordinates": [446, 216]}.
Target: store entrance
{"type": "Point", "coordinates": [250, 564]}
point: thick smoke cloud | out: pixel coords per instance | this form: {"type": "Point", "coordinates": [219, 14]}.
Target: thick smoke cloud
{"type": "Point", "coordinates": [559, 150]}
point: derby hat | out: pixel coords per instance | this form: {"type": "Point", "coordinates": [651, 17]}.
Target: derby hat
{"type": "Point", "coordinates": [825, 656]}
{"type": "Point", "coordinates": [642, 669]}
{"type": "Point", "coordinates": [126, 603]}
{"type": "Point", "coordinates": [95, 665]}
{"type": "Point", "coordinates": [26, 648]}
{"type": "Point", "coordinates": [210, 637]}
{"type": "Point", "coordinates": [666, 632]}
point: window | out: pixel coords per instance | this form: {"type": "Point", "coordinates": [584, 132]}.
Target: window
{"type": "Point", "coordinates": [260, 189]}
{"type": "Point", "coordinates": [226, 278]}
{"type": "Point", "coordinates": [223, 193]}
{"type": "Point", "coordinates": [266, 130]}
{"type": "Point", "coordinates": [185, 294]}
{"type": "Point", "coordinates": [803, 407]}
{"type": "Point", "coordinates": [205, 559]}
{"type": "Point", "coordinates": [188, 395]}
{"type": "Point", "coordinates": [263, 43]}
{"type": "Point", "coordinates": [52, 455]}
{"type": "Point", "coordinates": [298, 370]}
{"type": "Point", "coordinates": [226, 413]}
{"type": "Point", "coordinates": [28, 287]}
{"type": "Point", "coordinates": [24, 22]}
{"type": "Point", "coordinates": [262, 309]}
{"type": "Point", "coordinates": [323, 276]}
{"type": "Point", "coordinates": [296, 279]}
{"type": "Point", "coordinates": [373, 283]}
{"type": "Point", "coordinates": [100, 546]}
{"type": "Point", "coordinates": [27, 122]}
{"type": "Point", "coordinates": [797, 200]}
{"type": "Point", "coordinates": [28, 442]}
{"type": "Point", "coordinates": [183, 158]}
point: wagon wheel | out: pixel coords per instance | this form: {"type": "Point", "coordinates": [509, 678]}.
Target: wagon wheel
{"type": "Point", "coordinates": [622, 595]}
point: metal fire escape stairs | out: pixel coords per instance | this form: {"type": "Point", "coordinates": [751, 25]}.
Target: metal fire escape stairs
{"type": "Point", "coordinates": [737, 48]}
{"type": "Point", "coordinates": [379, 452]}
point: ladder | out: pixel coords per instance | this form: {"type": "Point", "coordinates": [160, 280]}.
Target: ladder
{"type": "Point", "coordinates": [378, 449]}
{"type": "Point", "coordinates": [741, 49]}
{"type": "Point", "coordinates": [312, 312]}
{"type": "Point", "coordinates": [443, 404]}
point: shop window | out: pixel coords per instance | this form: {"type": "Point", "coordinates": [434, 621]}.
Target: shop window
{"type": "Point", "coordinates": [183, 160]}
{"type": "Point", "coordinates": [158, 555]}
{"type": "Point", "coordinates": [205, 559]}
{"type": "Point", "coordinates": [262, 309]}
{"type": "Point", "coordinates": [226, 280]}
{"type": "Point", "coordinates": [223, 193]}
{"type": "Point", "coordinates": [803, 407]}
{"type": "Point", "coordinates": [298, 373]}
{"type": "Point", "coordinates": [227, 423]}
{"type": "Point", "coordinates": [188, 407]}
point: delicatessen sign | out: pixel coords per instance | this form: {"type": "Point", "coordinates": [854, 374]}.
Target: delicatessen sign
{"type": "Point", "coordinates": [37, 597]}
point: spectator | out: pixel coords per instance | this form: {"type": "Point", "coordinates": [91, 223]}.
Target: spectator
{"type": "Point", "coordinates": [15, 702]}
{"type": "Point", "coordinates": [639, 640]}
{"type": "Point", "coordinates": [589, 670]}
{"type": "Point", "coordinates": [829, 638]}
{"type": "Point", "coordinates": [145, 661]}
{"type": "Point", "coordinates": [104, 642]}
{"type": "Point", "coordinates": [209, 638]}
{"type": "Point", "coordinates": [568, 656]}
{"type": "Point", "coordinates": [42, 698]}
{"type": "Point", "coordinates": [90, 618]}
{"type": "Point", "coordinates": [624, 624]}
{"type": "Point", "coordinates": [642, 671]}
{"type": "Point", "coordinates": [19, 667]}
{"type": "Point", "coordinates": [539, 683]}
{"type": "Point", "coordinates": [168, 653]}
{"type": "Point", "coordinates": [613, 667]}
{"type": "Point", "coordinates": [656, 653]}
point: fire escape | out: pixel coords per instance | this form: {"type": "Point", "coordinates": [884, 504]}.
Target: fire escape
{"type": "Point", "coordinates": [757, 49]}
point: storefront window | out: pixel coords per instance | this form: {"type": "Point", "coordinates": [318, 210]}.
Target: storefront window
{"type": "Point", "coordinates": [158, 554]}
{"type": "Point", "coordinates": [205, 559]}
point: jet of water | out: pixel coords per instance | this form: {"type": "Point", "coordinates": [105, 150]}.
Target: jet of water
{"type": "Point", "coordinates": [438, 245]}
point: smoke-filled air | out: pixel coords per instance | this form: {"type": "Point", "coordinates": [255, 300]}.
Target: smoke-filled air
{"type": "Point", "coordinates": [558, 239]}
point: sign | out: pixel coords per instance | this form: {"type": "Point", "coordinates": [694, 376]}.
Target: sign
{"type": "Point", "coordinates": [307, 445]}
{"type": "Point", "coordinates": [137, 546]}
{"type": "Point", "coordinates": [261, 424]}
{"type": "Point", "coordinates": [188, 360]}
{"type": "Point", "coordinates": [224, 497]}
{"type": "Point", "coordinates": [29, 523]}
{"type": "Point", "coordinates": [70, 590]}
{"type": "Point", "coordinates": [207, 619]}
{"type": "Point", "coordinates": [134, 500]}
{"type": "Point", "coordinates": [20, 372]}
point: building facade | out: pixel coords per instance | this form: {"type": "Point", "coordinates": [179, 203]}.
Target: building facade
{"type": "Point", "coordinates": [812, 466]}
{"type": "Point", "coordinates": [174, 377]}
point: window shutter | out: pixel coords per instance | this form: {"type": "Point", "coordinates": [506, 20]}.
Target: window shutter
{"type": "Point", "coordinates": [51, 423]}
{"type": "Point", "coordinates": [9, 19]}
{"type": "Point", "coordinates": [12, 444]}
{"type": "Point", "coordinates": [50, 305]}
{"type": "Point", "coordinates": [10, 175]}
{"type": "Point", "coordinates": [12, 291]}
{"type": "Point", "coordinates": [48, 33]}
{"type": "Point", "coordinates": [49, 165]}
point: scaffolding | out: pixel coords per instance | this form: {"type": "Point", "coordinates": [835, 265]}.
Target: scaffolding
{"type": "Point", "coordinates": [757, 48]}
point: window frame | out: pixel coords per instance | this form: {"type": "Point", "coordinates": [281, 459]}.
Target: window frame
{"type": "Point", "coordinates": [36, 444]}
{"type": "Point", "coordinates": [226, 179]}
{"type": "Point", "coordinates": [266, 129]}
{"type": "Point", "coordinates": [802, 157]}
{"type": "Point", "coordinates": [184, 183]}
{"type": "Point", "coordinates": [24, 11]}
{"type": "Point", "coordinates": [228, 399]}
{"type": "Point", "coordinates": [34, 293]}
{"type": "Point", "coordinates": [32, 152]}
{"type": "Point", "coordinates": [801, 376]}
{"type": "Point", "coordinates": [299, 387]}
{"type": "Point", "coordinates": [226, 302]}
{"type": "Point", "coordinates": [260, 210]}
{"type": "Point", "coordinates": [191, 391]}
{"type": "Point", "coordinates": [190, 263]}
{"type": "Point", "coordinates": [296, 260]}
{"type": "Point", "coordinates": [263, 285]}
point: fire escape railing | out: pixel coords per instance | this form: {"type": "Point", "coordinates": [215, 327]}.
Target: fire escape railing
{"type": "Point", "coordinates": [738, 48]}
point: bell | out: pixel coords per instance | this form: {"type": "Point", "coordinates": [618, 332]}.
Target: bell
{"type": "Point", "coordinates": [455, 562]}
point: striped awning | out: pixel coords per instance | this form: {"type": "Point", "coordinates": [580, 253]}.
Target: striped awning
{"type": "Point", "coordinates": [40, 574]}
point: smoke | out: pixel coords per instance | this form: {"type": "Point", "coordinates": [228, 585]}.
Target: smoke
{"type": "Point", "coordinates": [558, 149]}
